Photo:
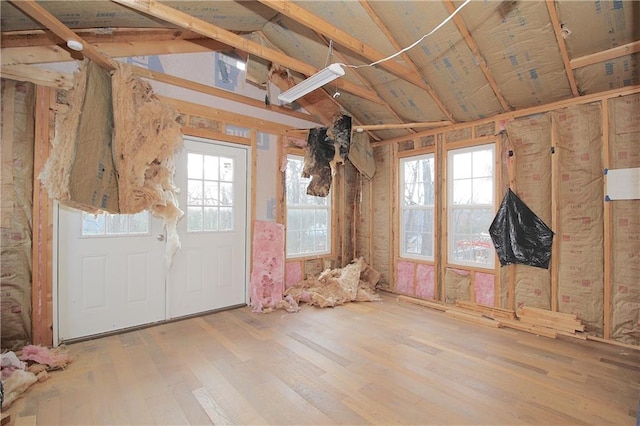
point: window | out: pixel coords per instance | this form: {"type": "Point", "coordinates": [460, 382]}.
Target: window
{"type": "Point", "coordinates": [308, 217]}
{"type": "Point", "coordinates": [209, 193]}
{"type": "Point", "coordinates": [106, 224]}
{"type": "Point", "coordinates": [417, 186]}
{"type": "Point", "coordinates": [471, 206]}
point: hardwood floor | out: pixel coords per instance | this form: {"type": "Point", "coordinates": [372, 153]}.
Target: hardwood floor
{"type": "Point", "coordinates": [381, 363]}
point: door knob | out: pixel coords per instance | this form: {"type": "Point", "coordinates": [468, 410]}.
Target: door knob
{"type": "Point", "coordinates": [160, 237]}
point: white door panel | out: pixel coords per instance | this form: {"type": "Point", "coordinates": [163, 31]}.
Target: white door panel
{"type": "Point", "coordinates": [209, 271]}
{"type": "Point", "coordinates": [107, 282]}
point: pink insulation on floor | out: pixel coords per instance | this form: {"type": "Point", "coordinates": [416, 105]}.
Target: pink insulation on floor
{"type": "Point", "coordinates": [267, 272]}
{"type": "Point", "coordinates": [484, 287]}
{"type": "Point", "coordinates": [406, 277]}
{"type": "Point", "coordinates": [425, 281]}
{"type": "Point", "coordinates": [293, 274]}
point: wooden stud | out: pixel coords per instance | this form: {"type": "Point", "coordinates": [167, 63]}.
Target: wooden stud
{"type": "Point", "coordinates": [534, 329]}
{"type": "Point", "coordinates": [425, 303]}
{"type": "Point", "coordinates": [487, 310]}
{"type": "Point", "coordinates": [473, 318]}
{"type": "Point", "coordinates": [42, 249]}
{"type": "Point", "coordinates": [555, 215]}
{"type": "Point", "coordinates": [440, 220]}
{"type": "Point", "coordinates": [442, 211]}
{"type": "Point", "coordinates": [511, 296]}
{"type": "Point", "coordinates": [393, 182]}
{"type": "Point", "coordinates": [608, 244]}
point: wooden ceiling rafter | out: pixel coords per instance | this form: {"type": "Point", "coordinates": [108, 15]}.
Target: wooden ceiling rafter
{"type": "Point", "coordinates": [306, 18]}
{"type": "Point", "coordinates": [606, 55]}
{"type": "Point", "coordinates": [43, 17]}
{"type": "Point", "coordinates": [33, 38]}
{"type": "Point", "coordinates": [462, 28]}
{"type": "Point", "coordinates": [40, 76]}
{"type": "Point", "coordinates": [557, 29]}
{"type": "Point", "coordinates": [183, 20]}
{"type": "Point", "coordinates": [57, 53]}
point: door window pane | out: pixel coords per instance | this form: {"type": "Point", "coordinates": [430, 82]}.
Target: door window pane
{"type": "Point", "coordinates": [210, 193]}
{"type": "Point", "coordinates": [106, 224]}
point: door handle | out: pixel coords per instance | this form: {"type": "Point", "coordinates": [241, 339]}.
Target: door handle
{"type": "Point", "coordinates": [160, 237]}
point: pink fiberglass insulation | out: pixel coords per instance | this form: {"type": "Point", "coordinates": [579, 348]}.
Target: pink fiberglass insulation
{"type": "Point", "coordinates": [293, 274]}
{"type": "Point", "coordinates": [53, 358]}
{"type": "Point", "coordinates": [425, 281]}
{"type": "Point", "coordinates": [267, 272]}
{"type": "Point", "coordinates": [406, 276]}
{"type": "Point", "coordinates": [484, 288]}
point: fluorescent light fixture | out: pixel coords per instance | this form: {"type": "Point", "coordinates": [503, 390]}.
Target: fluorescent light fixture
{"type": "Point", "coordinates": [317, 80]}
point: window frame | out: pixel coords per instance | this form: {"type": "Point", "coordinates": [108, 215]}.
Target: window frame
{"type": "Point", "coordinates": [402, 208]}
{"type": "Point", "coordinates": [452, 208]}
{"type": "Point", "coordinates": [222, 206]}
{"type": "Point", "coordinates": [287, 207]}
{"type": "Point", "coordinates": [85, 220]}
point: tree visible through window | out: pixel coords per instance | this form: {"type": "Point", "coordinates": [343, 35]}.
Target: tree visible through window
{"type": "Point", "coordinates": [471, 206]}
{"type": "Point", "coordinates": [417, 186]}
{"type": "Point", "coordinates": [308, 217]}
{"type": "Point", "coordinates": [209, 193]}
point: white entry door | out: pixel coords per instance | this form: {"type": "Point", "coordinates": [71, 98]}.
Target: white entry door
{"type": "Point", "coordinates": [210, 270]}
{"type": "Point", "coordinates": [111, 271]}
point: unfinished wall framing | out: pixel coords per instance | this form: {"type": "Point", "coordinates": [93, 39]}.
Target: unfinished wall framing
{"type": "Point", "coordinates": [554, 158]}
{"type": "Point", "coordinates": [16, 181]}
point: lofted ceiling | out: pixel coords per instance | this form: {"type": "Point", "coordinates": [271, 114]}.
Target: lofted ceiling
{"type": "Point", "coordinates": [491, 57]}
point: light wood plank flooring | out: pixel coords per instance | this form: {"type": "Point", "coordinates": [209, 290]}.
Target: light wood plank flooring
{"type": "Point", "coordinates": [366, 363]}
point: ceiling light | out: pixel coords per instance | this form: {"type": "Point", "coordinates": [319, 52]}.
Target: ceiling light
{"type": "Point", "coordinates": [75, 45]}
{"type": "Point", "coordinates": [317, 80]}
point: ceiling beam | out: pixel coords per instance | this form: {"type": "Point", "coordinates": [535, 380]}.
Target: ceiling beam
{"type": "Point", "coordinates": [555, 22]}
{"type": "Point", "coordinates": [462, 28]}
{"type": "Point", "coordinates": [98, 35]}
{"type": "Point", "coordinates": [57, 53]}
{"type": "Point", "coordinates": [42, 16]}
{"type": "Point", "coordinates": [606, 55]}
{"type": "Point", "coordinates": [183, 20]}
{"type": "Point", "coordinates": [40, 76]}
{"type": "Point", "coordinates": [404, 125]}
{"type": "Point", "coordinates": [304, 17]}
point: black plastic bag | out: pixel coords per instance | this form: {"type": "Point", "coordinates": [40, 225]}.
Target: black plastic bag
{"type": "Point", "coordinates": [520, 236]}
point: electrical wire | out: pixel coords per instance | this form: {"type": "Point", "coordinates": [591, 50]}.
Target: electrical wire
{"type": "Point", "coordinates": [414, 43]}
